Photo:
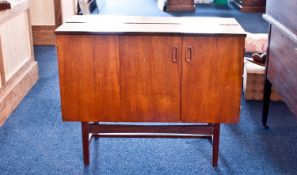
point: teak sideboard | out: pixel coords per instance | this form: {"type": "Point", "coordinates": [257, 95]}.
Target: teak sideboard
{"type": "Point", "coordinates": [150, 69]}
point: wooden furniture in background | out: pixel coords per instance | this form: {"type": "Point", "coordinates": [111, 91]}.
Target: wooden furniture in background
{"type": "Point", "coordinates": [150, 69]}
{"type": "Point", "coordinates": [180, 5]}
{"type": "Point", "coordinates": [18, 69]}
{"type": "Point", "coordinates": [250, 5]}
{"type": "Point", "coordinates": [281, 65]}
{"type": "Point", "coordinates": [4, 5]}
{"type": "Point", "coordinates": [46, 16]}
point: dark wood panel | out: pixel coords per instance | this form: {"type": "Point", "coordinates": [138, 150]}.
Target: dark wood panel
{"type": "Point", "coordinates": [150, 78]}
{"type": "Point", "coordinates": [282, 67]}
{"type": "Point", "coordinates": [44, 35]}
{"type": "Point", "coordinates": [192, 129]}
{"type": "Point", "coordinates": [284, 12]}
{"type": "Point", "coordinates": [89, 77]}
{"type": "Point", "coordinates": [211, 79]}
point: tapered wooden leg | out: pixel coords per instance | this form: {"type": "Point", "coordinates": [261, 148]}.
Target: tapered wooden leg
{"type": "Point", "coordinates": [85, 142]}
{"type": "Point", "coordinates": [216, 142]}
{"type": "Point", "coordinates": [266, 100]}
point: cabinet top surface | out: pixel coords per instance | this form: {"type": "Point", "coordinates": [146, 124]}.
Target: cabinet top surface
{"type": "Point", "coordinates": [100, 24]}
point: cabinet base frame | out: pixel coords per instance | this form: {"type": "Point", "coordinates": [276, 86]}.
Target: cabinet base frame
{"type": "Point", "coordinates": [208, 131]}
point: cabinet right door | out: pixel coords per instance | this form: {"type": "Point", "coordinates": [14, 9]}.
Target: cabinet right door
{"type": "Point", "coordinates": [211, 79]}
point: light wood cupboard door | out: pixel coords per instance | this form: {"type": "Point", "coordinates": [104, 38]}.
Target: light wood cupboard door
{"type": "Point", "coordinates": [150, 78]}
{"type": "Point", "coordinates": [89, 77]}
{"type": "Point", "coordinates": [211, 79]}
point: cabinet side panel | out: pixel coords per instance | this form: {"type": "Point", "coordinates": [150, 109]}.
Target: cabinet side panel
{"type": "Point", "coordinates": [89, 77]}
{"type": "Point", "coordinates": [284, 12]}
{"type": "Point", "coordinates": [211, 81]}
{"type": "Point", "coordinates": [282, 67]}
{"type": "Point", "coordinates": [150, 80]}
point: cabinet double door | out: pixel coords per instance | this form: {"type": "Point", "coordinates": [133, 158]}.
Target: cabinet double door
{"type": "Point", "coordinates": [151, 78]}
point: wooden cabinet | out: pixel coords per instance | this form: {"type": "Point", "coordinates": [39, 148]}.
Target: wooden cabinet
{"type": "Point", "coordinates": [150, 78]}
{"type": "Point", "coordinates": [180, 5]}
{"type": "Point", "coordinates": [284, 13]}
{"type": "Point", "coordinates": [282, 53]}
{"type": "Point", "coordinates": [250, 5]}
{"type": "Point", "coordinates": [150, 69]}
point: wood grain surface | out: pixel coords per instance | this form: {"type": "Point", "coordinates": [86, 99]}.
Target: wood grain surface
{"type": "Point", "coordinates": [211, 79]}
{"type": "Point", "coordinates": [122, 71]}
{"type": "Point", "coordinates": [44, 35]}
{"type": "Point", "coordinates": [282, 67]}
{"type": "Point", "coordinates": [89, 77]}
{"type": "Point", "coordinates": [150, 78]}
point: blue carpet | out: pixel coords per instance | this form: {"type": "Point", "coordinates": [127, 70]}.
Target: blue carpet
{"type": "Point", "coordinates": [34, 140]}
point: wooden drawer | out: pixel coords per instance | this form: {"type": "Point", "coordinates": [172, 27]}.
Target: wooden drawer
{"type": "Point", "coordinates": [282, 67]}
{"type": "Point", "coordinates": [284, 12]}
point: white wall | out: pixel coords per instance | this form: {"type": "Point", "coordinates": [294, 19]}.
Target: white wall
{"type": "Point", "coordinates": [42, 12]}
{"type": "Point", "coordinates": [68, 8]}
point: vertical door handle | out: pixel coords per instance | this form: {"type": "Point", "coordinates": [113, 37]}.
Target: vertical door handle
{"type": "Point", "coordinates": [174, 54]}
{"type": "Point", "coordinates": [189, 54]}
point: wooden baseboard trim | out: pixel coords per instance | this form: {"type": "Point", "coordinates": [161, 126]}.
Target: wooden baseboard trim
{"type": "Point", "coordinates": [14, 92]}
{"type": "Point", "coordinates": [44, 35]}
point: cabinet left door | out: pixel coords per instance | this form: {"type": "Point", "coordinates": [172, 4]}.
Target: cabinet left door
{"type": "Point", "coordinates": [89, 77]}
{"type": "Point", "coordinates": [150, 78]}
